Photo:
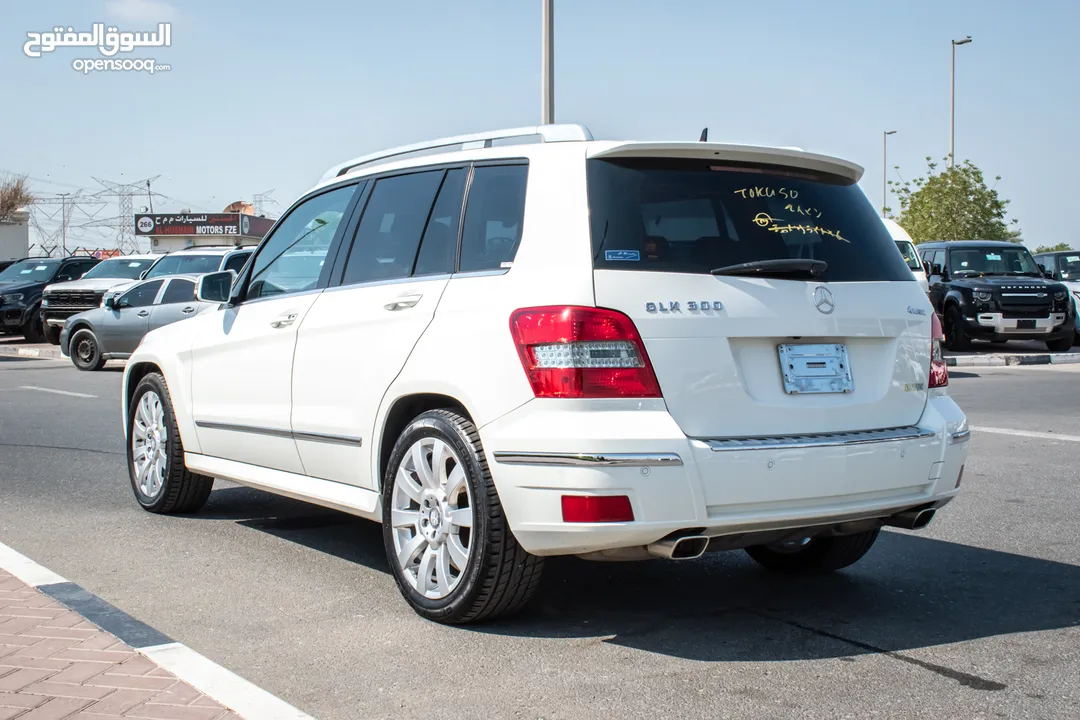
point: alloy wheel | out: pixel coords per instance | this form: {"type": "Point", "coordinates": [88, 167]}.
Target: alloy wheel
{"type": "Point", "coordinates": [149, 445]}
{"type": "Point", "coordinates": [432, 518]}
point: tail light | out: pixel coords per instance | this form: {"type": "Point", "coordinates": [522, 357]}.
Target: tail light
{"type": "Point", "coordinates": [582, 352]}
{"type": "Point", "coordinates": [939, 370]}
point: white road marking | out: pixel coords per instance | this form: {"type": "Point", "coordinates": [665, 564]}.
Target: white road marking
{"type": "Point", "coordinates": [58, 392]}
{"type": "Point", "coordinates": [26, 569]}
{"type": "Point", "coordinates": [234, 692]}
{"type": "Point", "coordinates": [228, 688]}
{"type": "Point", "coordinates": [1026, 433]}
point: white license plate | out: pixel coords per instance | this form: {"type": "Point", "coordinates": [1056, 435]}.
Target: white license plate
{"type": "Point", "coordinates": [815, 369]}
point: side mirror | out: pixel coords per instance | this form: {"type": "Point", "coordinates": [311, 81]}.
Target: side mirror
{"type": "Point", "coordinates": [215, 287]}
{"type": "Point", "coordinates": [926, 268]}
{"type": "Point", "coordinates": [110, 302]}
{"type": "Point", "coordinates": [935, 269]}
{"type": "Point", "coordinates": [1048, 274]}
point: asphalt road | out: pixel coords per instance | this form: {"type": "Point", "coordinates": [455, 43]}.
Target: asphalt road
{"type": "Point", "coordinates": [975, 617]}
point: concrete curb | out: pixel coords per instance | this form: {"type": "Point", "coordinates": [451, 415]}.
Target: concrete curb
{"type": "Point", "coordinates": [51, 352]}
{"type": "Point", "coordinates": [1013, 360]}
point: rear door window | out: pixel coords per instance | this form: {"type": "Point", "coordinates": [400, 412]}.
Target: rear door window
{"type": "Point", "coordinates": [178, 291]}
{"type": "Point", "coordinates": [493, 218]}
{"type": "Point", "coordinates": [692, 216]}
{"type": "Point", "coordinates": [388, 236]}
{"type": "Point", "coordinates": [439, 243]}
{"type": "Point", "coordinates": [236, 262]}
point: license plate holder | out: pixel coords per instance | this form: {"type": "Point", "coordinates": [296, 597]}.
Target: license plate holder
{"type": "Point", "coordinates": [1025, 324]}
{"type": "Point", "coordinates": [815, 369]}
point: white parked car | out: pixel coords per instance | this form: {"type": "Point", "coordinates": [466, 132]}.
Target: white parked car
{"type": "Point", "coordinates": [907, 249]}
{"type": "Point", "coordinates": [618, 350]}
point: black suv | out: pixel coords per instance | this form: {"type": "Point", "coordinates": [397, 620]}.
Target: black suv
{"type": "Point", "coordinates": [21, 285]}
{"type": "Point", "coordinates": [995, 291]}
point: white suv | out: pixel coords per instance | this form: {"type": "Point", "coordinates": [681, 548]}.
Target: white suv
{"type": "Point", "coordinates": [503, 350]}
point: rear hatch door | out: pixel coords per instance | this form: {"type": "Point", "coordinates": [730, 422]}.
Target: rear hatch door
{"type": "Point", "coordinates": [788, 346]}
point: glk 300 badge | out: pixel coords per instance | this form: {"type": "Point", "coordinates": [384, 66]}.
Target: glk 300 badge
{"type": "Point", "coordinates": [691, 306]}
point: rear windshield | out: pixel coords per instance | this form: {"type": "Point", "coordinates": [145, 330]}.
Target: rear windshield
{"type": "Point", "coordinates": [908, 251]}
{"type": "Point", "coordinates": [184, 265]}
{"type": "Point", "coordinates": [692, 216]}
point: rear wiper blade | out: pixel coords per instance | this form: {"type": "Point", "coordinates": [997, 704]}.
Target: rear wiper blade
{"type": "Point", "coordinates": [783, 267]}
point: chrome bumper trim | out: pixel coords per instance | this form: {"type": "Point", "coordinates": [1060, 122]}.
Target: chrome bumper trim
{"type": "Point", "coordinates": [797, 442]}
{"type": "Point", "coordinates": [960, 437]}
{"type": "Point", "coordinates": [589, 459]}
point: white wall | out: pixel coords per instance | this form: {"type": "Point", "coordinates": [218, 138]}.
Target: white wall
{"type": "Point", "coordinates": [15, 236]}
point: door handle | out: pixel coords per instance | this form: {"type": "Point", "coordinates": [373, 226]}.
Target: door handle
{"type": "Point", "coordinates": [405, 301]}
{"type": "Point", "coordinates": [188, 310]}
{"type": "Point", "coordinates": [284, 320]}
{"type": "Point", "coordinates": [144, 313]}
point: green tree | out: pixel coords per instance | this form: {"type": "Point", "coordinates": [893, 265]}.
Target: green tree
{"type": "Point", "coordinates": [1053, 248]}
{"type": "Point", "coordinates": [953, 204]}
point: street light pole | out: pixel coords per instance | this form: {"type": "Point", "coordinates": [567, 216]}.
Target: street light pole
{"type": "Point", "coordinates": [63, 223]}
{"type": "Point", "coordinates": [885, 169]}
{"type": "Point", "coordinates": [547, 63]}
{"type": "Point", "coordinates": [952, 98]}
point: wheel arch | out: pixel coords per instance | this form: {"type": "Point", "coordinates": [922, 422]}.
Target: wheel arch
{"type": "Point", "coordinates": [399, 414]}
{"type": "Point", "coordinates": [132, 375]}
{"type": "Point", "coordinates": [953, 297]}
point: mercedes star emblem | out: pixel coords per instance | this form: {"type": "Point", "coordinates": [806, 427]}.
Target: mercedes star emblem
{"type": "Point", "coordinates": [823, 300]}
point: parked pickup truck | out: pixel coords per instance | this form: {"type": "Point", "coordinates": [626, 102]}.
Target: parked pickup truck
{"type": "Point", "coordinates": [63, 299]}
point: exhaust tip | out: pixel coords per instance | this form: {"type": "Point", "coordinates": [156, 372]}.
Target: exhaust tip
{"type": "Point", "coordinates": [687, 547]}
{"type": "Point", "coordinates": [922, 519]}
{"type": "Point", "coordinates": [690, 547]}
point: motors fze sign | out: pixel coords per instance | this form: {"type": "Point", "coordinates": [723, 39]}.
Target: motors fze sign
{"type": "Point", "coordinates": [203, 224]}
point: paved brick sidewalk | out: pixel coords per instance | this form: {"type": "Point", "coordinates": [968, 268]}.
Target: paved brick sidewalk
{"type": "Point", "coordinates": [54, 665]}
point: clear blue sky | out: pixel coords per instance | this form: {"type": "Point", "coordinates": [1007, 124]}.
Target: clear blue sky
{"type": "Point", "coordinates": [268, 94]}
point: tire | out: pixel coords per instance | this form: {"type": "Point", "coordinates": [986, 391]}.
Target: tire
{"type": "Point", "coordinates": [498, 577]}
{"type": "Point", "coordinates": [955, 337]}
{"type": "Point", "coordinates": [31, 330]}
{"type": "Point", "coordinates": [86, 350]}
{"type": "Point", "coordinates": [1061, 344]}
{"type": "Point", "coordinates": [51, 334]}
{"type": "Point", "coordinates": [820, 555]}
{"type": "Point", "coordinates": [173, 489]}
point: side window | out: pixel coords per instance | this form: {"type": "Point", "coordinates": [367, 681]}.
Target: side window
{"type": "Point", "coordinates": [141, 295]}
{"type": "Point", "coordinates": [74, 270]}
{"type": "Point", "coordinates": [493, 217]}
{"type": "Point", "coordinates": [389, 232]}
{"type": "Point", "coordinates": [236, 262]}
{"type": "Point", "coordinates": [439, 244]}
{"type": "Point", "coordinates": [291, 260]}
{"type": "Point", "coordinates": [179, 291]}
{"type": "Point", "coordinates": [933, 257]}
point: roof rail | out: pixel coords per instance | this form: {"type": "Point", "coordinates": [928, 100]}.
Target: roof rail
{"type": "Point", "coordinates": [565, 132]}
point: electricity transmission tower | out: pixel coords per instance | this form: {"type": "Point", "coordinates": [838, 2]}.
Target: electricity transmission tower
{"type": "Point", "coordinates": [124, 222]}
{"type": "Point", "coordinates": [57, 238]}
{"type": "Point", "coordinates": [261, 202]}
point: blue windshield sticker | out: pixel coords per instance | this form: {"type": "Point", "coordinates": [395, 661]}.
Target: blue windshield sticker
{"type": "Point", "coordinates": [631, 255]}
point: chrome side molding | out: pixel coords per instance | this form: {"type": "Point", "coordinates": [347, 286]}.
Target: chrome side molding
{"type": "Point", "coordinates": [589, 459]}
{"type": "Point", "coordinates": [274, 432]}
{"type": "Point", "coordinates": [839, 439]}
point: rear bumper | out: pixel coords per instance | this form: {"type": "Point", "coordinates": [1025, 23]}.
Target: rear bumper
{"type": "Point", "coordinates": [549, 448]}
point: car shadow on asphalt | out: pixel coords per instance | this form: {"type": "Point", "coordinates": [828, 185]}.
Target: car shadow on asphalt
{"type": "Point", "coordinates": [909, 592]}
